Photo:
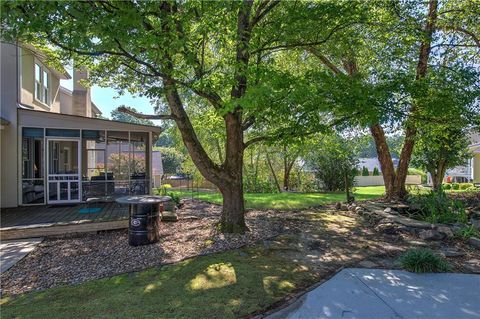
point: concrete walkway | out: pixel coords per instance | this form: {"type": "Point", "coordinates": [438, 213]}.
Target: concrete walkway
{"type": "Point", "coordinates": [384, 294]}
{"type": "Point", "coordinates": [11, 251]}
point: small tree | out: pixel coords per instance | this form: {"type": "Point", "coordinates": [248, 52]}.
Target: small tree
{"type": "Point", "coordinates": [334, 163]}
{"type": "Point", "coordinates": [376, 172]}
{"type": "Point", "coordinates": [439, 148]}
{"type": "Point", "coordinates": [365, 171]}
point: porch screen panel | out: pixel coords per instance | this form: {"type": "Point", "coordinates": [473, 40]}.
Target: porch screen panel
{"type": "Point", "coordinates": [94, 177]}
{"type": "Point", "coordinates": [138, 163]}
{"type": "Point", "coordinates": [118, 161]}
{"type": "Point", "coordinates": [33, 166]}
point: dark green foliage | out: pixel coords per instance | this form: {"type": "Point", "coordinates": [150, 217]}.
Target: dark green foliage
{"type": "Point", "coordinates": [455, 186]}
{"type": "Point", "coordinates": [437, 207]}
{"type": "Point", "coordinates": [172, 160]}
{"type": "Point", "coordinates": [447, 186]}
{"type": "Point", "coordinates": [365, 171]}
{"type": "Point", "coordinates": [376, 172]}
{"type": "Point", "coordinates": [333, 162]}
{"type": "Point", "coordinates": [423, 260]}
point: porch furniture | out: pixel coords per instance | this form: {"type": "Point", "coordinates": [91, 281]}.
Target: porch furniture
{"type": "Point", "coordinates": [144, 220]}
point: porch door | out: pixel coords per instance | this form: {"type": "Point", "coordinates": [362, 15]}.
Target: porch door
{"type": "Point", "coordinates": [63, 158]}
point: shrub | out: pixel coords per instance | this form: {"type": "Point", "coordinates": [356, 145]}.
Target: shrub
{"type": "Point", "coordinates": [175, 199]}
{"type": "Point", "coordinates": [423, 260]}
{"type": "Point", "coordinates": [376, 172]}
{"type": "Point", "coordinates": [436, 207]}
{"type": "Point", "coordinates": [455, 186]}
{"type": "Point", "coordinates": [447, 186]}
{"type": "Point", "coordinates": [464, 186]}
{"type": "Point", "coordinates": [162, 190]}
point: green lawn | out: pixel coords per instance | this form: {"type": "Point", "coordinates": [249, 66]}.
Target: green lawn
{"type": "Point", "coordinates": [290, 201]}
{"type": "Point", "coordinates": [226, 285]}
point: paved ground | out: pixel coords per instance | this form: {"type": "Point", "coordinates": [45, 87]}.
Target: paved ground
{"type": "Point", "coordinates": [11, 251]}
{"type": "Point", "coordinates": [382, 294]}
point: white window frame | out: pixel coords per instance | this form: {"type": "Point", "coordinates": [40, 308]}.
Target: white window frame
{"type": "Point", "coordinates": [40, 96]}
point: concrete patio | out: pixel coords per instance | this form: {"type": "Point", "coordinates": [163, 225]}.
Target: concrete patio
{"type": "Point", "coordinates": [382, 294]}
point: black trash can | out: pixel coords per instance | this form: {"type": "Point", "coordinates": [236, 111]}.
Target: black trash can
{"type": "Point", "coordinates": [144, 224]}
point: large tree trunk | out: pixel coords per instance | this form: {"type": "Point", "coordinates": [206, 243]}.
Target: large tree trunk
{"type": "Point", "coordinates": [385, 159]}
{"type": "Point", "coordinates": [437, 172]}
{"type": "Point", "coordinates": [411, 130]}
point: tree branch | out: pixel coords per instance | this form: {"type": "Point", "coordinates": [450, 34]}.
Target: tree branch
{"type": "Point", "coordinates": [126, 110]}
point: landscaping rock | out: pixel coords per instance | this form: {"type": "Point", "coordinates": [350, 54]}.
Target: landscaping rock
{"type": "Point", "coordinates": [475, 223]}
{"type": "Point", "coordinates": [445, 230]}
{"type": "Point", "coordinates": [475, 242]}
{"type": "Point", "coordinates": [358, 209]}
{"type": "Point", "coordinates": [169, 216]}
{"type": "Point", "coordinates": [367, 264]}
{"type": "Point", "coordinates": [388, 210]}
{"type": "Point", "coordinates": [388, 228]}
{"type": "Point", "coordinates": [473, 265]}
{"type": "Point", "coordinates": [431, 234]}
{"type": "Point", "coordinates": [451, 252]}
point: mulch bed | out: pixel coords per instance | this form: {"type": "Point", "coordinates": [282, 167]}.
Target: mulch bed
{"type": "Point", "coordinates": [321, 239]}
{"type": "Point", "coordinates": [73, 259]}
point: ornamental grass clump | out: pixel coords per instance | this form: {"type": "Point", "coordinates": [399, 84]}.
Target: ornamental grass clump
{"type": "Point", "coordinates": [437, 207]}
{"type": "Point", "coordinates": [422, 260]}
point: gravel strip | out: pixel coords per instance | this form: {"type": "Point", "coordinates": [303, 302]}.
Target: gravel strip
{"type": "Point", "coordinates": [73, 259]}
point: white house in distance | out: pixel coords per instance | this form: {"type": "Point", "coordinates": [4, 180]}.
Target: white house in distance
{"type": "Point", "coordinates": [471, 171]}
{"type": "Point", "coordinates": [54, 149]}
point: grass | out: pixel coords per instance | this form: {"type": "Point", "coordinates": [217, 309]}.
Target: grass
{"type": "Point", "coordinates": [423, 260]}
{"type": "Point", "coordinates": [226, 285]}
{"type": "Point", "coordinates": [289, 201]}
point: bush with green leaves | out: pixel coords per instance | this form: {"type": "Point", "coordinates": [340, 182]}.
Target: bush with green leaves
{"type": "Point", "coordinates": [455, 186]}
{"type": "Point", "coordinates": [175, 198]}
{"type": "Point", "coordinates": [376, 172]}
{"type": "Point", "coordinates": [437, 207]}
{"type": "Point", "coordinates": [447, 186]}
{"type": "Point", "coordinates": [422, 260]}
{"type": "Point", "coordinates": [465, 186]}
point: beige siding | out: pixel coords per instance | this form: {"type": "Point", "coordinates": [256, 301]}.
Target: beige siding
{"type": "Point", "coordinates": [8, 142]}
{"type": "Point", "coordinates": [476, 168]}
{"type": "Point", "coordinates": [28, 85]}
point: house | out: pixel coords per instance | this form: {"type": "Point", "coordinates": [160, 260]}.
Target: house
{"type": "Point", "coordinates": [54, 149]}
{"type": "Point", "coordinates": [470, 172]}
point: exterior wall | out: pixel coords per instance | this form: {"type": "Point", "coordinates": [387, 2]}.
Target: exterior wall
{"type": "Point", "coordinates": [476, 168]}
{"type": "Point", "coordinates": [378, 180]}
{"type": "Point", "coordinates": [8, 143]}
{"type": "Point", "coordinates": [66, 102]}
{"type": "Point", "coordinates": [81, 96]}
{"type": "Point", "coordinates": [28, 85]}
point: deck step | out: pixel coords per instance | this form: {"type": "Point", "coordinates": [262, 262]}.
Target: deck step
{"type": "Point", "coordinates": [20, 232]}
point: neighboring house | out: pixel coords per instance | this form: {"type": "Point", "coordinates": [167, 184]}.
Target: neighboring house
{"type": "Point", "coordinates": [371, 162]}
{"type": "Point", "coordinates": [53, 148]}
{"type": "Point", "coordinates": [470, 172]}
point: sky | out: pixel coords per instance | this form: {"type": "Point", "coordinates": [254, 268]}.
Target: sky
{"type": "Point", "coordinates": [107, 99]}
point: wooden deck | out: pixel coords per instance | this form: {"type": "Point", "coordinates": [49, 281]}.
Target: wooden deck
{"type": "Point", "coordinates": [47, 220]}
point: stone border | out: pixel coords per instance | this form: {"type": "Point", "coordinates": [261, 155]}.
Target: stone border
{"type": "Point", "coordinates": [391, 222]}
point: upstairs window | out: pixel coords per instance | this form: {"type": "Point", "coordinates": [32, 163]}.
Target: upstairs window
{"type": "Point", "coordinates": [42, 84]}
